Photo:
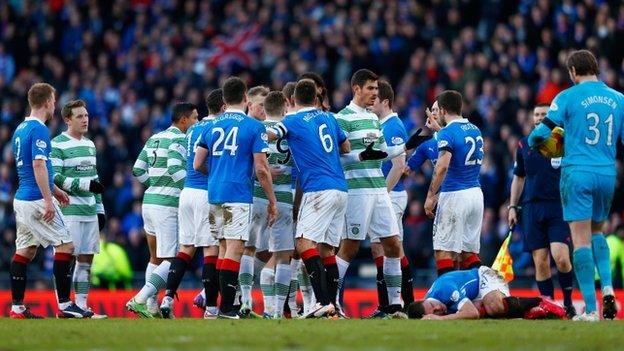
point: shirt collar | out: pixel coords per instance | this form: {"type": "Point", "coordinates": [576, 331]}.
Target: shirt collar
{"type": "Point", "coordinates": [71, 137]}
{"type": "Point", "coordinates": [353, 106]}
{"type": "Point", "coordinates": [388, 117]}
{"type": "Point", "coordinates": [459, 120]}
{"type": "Point", "coordinates": [306, 109]}
{"type": "Point", "coordinates": [235, 110]}
{"type": "Point", "coordinates": [174, 128]}
{"type": "Point", "coordinates": [31, 118]}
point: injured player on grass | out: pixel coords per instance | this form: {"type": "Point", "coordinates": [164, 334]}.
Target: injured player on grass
{"type": "Point", "coordinates": [479, 293]}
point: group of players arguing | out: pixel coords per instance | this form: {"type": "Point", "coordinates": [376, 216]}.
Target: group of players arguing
{"type": "Point", "coordinates": [271, 179]}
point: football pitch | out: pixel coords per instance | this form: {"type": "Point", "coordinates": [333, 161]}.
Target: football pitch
{"type": "Point", "coordinates": [197, 334]}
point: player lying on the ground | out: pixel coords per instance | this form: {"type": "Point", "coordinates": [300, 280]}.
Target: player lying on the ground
{"type": "Point", "coordinates": [479, 293]}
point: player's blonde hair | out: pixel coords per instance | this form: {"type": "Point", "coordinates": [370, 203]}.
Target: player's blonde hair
{"type": "Point", "coordinates": [39, 93]}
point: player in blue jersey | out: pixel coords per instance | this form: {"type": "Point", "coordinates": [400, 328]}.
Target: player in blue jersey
{"type": "Point", "coordinates": [316, 142]}
{"type": "Point", "coordinates": [428, 148]}
{"type": "Point", "coordinates": [457, 224]}
{"type": "Point", "coordinates": [38, 216]}
{"type": "Point", "coordinates": [591, 114]}
{"type": "Point", "coordinates": [477, 293]}
{"type": "Point", "coordinates": [193, 226]}
{"type": "Point", "coordinates": [536, 178]}
{"type": "Point", "coordinates": [395, 135]}
{"type": "Point", "coordinates": [237, 145]}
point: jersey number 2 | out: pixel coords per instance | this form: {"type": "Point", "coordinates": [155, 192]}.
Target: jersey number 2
{"type": "Point", "coordinates": [229, 144]}
{"type": "Point", "coordinates": [471, 158]}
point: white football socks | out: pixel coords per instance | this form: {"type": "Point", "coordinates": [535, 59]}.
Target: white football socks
{"type": "Point", "coordinates": [156, 281]}
{"type": "Point", "coordinates": [283, 273]}
{"type": "Point", "coordinates": [267, 285]}
{"type": "Point", "coordinates": [82, 272]}
{"type": "Point", "coordinates": [392, 276]}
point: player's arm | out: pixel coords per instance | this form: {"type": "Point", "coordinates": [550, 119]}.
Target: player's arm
{"type": "Point", "coordinates": [467, 311]}
{"type": "Point", "coordinates": [70, 184]}
{"type": "Point", "coordinates": [417, 159]}
{"type": "Point", "coordinates": [439, 173]}
{"type": "Point", "coordinates": [40, 170]}
{"type": "Point", "coordinates": [554, 118]}
{"type": "Point", "coordinates": [176, 160]}
{"type": "Point", "coordinates": [139, 170]}
{"type": "Point", "coordinates": [263, 172]}
{"type": "Point", "coordinates": [398, 165]}
{"type": "Point", "coordinates": [517, 186]}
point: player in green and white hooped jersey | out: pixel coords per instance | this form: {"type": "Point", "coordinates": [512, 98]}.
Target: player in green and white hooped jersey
{"type": "Point", "coordinates": [275, 277]}
{"type": "Point", "coordinates": [161, 166]}
{"type": "Point", "coordinates": [74, 162]}
{"type": "Point", "coordinates": [369, 208]}
{"type": "Point", "coordinates": [250, 262]}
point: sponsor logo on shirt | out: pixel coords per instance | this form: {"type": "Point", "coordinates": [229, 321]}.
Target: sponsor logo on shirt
{"type": "Point", "coordinates": [397, 140]}
{"type": "Point", "coordinates": [455, 296]}
{"type": "Point", "coordinates": [555, 162]}
{"type": "Point", "coordinates": [442, 143]}
{"type": "Point", "coordinates": [41, 144]}
{"type": "Point", "coordinates": [553, 106]}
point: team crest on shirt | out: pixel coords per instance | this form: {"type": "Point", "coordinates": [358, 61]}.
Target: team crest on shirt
{"type": "Point", "coordinates": [370, 138]}
{"type": "Point", "coordinates": [41, 144]}
{"type": "Point", "coordinates": [397, 140]}
{"type": "Point", "coordinates": [555, 162]}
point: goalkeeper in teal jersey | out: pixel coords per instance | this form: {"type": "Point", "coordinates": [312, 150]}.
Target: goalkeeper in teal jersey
{"type": "Point", "coordinates": [591, 114]}
{"type": "Point", "coordinates": [73, 159]}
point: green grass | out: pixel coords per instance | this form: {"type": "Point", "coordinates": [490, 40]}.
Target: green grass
{"type": "Point", "coordinates": [196, 334]}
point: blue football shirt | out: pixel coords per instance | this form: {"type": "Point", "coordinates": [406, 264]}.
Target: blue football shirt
{"type": "Point", "coordinates": [195, 179]}
{"type": "Point", "coordinates": [395, 134]}
{"type": "Point", "coordinates": [425, 151]}
{"type": "Point", "coordinates": [454, 289]}
{"type": "Point", "coordinates": [464, 141]}
{"type": "Point", "coordinates": [314, 139]}
{"type": "Point", "coordinates": [31, 141]}
{"type": "Point", "coordinates": [232, 140]}
{"type": "Point", "coordinates": [591, 114]}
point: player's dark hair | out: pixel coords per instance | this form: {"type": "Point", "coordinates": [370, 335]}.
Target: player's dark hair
{"type": "Point", "coordinates": [234, 90]}
{"type": "Point", "coordinates": [39, 93]}
{"type": "Point", "coordinates": [361, 76]}
{"type": "Point", "coordinates": [415, 310]}
{"type": "Point", "coordinates": [274, 103]}
{"type": "Point", "coordinates": [320, 84]}
{"type": "Point", "coordinates": [386, 92]}
{"type": "Point", "coordinates": [214, 101]}
{"type": "Point", "coordinates": [305, 92]}
{"type": "Point", "coordinates": [289, 90]}
{"type": "Point", "coordinates": [451, 101]}
{"type": "Point", "coordinates": [259, 90]}
{"type": "Point", "coordinates": [66, 111]}
{"type": "Point", "coordinates": [584, 63]}
{"type": "Point", "coordinates": [181, 110]}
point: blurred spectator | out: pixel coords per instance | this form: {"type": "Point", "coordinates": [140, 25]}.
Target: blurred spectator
{"type": "Point", "coordinates": [131, 60]}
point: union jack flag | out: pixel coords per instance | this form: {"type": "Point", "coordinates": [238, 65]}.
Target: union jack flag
{"type": "Point", "coordinates": [239, 49]}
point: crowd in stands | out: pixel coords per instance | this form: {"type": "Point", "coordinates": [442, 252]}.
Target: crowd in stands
{"type": "Point", "coordinates": [131, 60]}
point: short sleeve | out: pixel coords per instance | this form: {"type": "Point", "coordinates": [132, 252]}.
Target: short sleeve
{"type": "Point", "coordinates": [395, 134]}
{"type": "Point", "coordinates": [40, 143]}
{"type": "Point", "coordinates": [519, 164]}
{"type": "Point", "coordinates": [202, 141]}
{"type": "Point", "coordinates": [260, 140]}
{"type": "Point", "coordinates": [445, 140]}
{"type": "Point", "coordinates": [556, 111]}
{"type": "Point", "coordinates": [341, 136]}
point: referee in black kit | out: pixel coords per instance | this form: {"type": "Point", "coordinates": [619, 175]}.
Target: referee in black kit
{"type": "Point", "coordinates": [542, 216]}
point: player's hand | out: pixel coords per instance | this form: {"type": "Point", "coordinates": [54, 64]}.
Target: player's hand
{"type": "Point", "coordinates": [271, 213]}
{"type": "Point", "coordinates": [96, 187]}
{"type": "Point", "coordinates": [416, 139]}
{"type": "Point", "coordinates": [370, 154]}
{"type": "Point", "coordinates": [430, 205]}
{"type": "Point", "coordinates": [101, 220]}
{"type": "Point", "coordinates": [512, 217]}
{"type": "Point", "coordinates": [431, 317]}
{"type": "Point", "coordinates": [61, 196]}
{"type": "Point", "coordinates": [431, 122]}
{"type": "Point", "coordinates": [48, 211]}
